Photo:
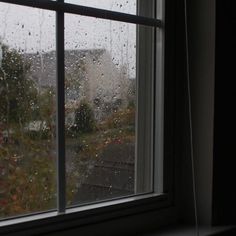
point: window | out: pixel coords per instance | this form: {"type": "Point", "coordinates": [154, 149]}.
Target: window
{"type": "Point", "coordinates": [81, 121]}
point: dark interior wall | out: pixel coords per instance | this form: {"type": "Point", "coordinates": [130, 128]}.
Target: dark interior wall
{"type": "Point", "coordinates": [201, 33]}
{"type": "Point", "coordinates": [202, 75]}
{"type": "Point", "coordinates": [184, 191]}
{"type": "Point", "coordinates": [224, 204]}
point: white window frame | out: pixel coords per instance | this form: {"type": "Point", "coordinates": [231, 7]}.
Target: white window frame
{"type": "Point", "coordinates": [153, 129]}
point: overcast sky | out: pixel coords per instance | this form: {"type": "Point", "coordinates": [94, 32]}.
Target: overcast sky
{"type": "Point", "coordinates": [32, 30]}
{"type": "Point", "coordinates": [126, 6]}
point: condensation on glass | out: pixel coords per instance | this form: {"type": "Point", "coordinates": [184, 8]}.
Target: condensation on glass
{"type": "Point", "coordinates": [100, 108]}
{"type": "Point", "coordinates": [125, 6]}
{"type": "Point", "coordinates": [27, 110]}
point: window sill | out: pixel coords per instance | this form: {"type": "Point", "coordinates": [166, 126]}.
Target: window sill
{"type": "Point", "coordinates": [185, 230]}
{"type": "Point", "coordinates": [85, 215]}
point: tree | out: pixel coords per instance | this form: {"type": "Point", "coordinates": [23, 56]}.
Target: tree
{"type": "Point", "coordinates": [18, 92]}
{"type": "Point", "coordinates": [27, 182]}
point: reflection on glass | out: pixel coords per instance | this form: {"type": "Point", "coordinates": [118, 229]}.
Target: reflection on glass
{"type": "Point", "coordinates": [125, 6]}
{"type": "Point", "coordinates": [27, 111]}
{"type": "Point", "coordinates": [100, 107]}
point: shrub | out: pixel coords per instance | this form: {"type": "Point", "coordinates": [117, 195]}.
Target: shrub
{"type": "Point", "coordinates": [121, 119]}
{"type": "Point", "coordinates": [84, 118]}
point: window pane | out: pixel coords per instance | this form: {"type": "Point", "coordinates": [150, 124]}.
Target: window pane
{"type": "Point", "coordinates": [27, 110]}
{"type": "Point", "coordinates": [125, 6]}
{"type": "Point", "coordinates": [100, 107]}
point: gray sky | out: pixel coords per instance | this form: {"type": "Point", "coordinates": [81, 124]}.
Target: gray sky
{"type": "Point", "coordinates": [32, 30]}
{"type": "Point", "coordinates": [126, 6]}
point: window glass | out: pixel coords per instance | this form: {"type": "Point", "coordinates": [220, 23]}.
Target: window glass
{"type": "Point", "coordinates": [125, 6]}
{"type": "Point", "coordinates": [100, 106]}
{"type": "Point", "coordinates": [27, 110]}
{"type": "Point", "coordinates": [100, 109]}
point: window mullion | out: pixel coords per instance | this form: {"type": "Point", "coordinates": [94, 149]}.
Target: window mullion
{"type": "Point", "coordinates": [61, 169]}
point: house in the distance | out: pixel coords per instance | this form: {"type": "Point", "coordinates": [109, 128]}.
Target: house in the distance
{"type": "Point", "coordinates": [91, 75]}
